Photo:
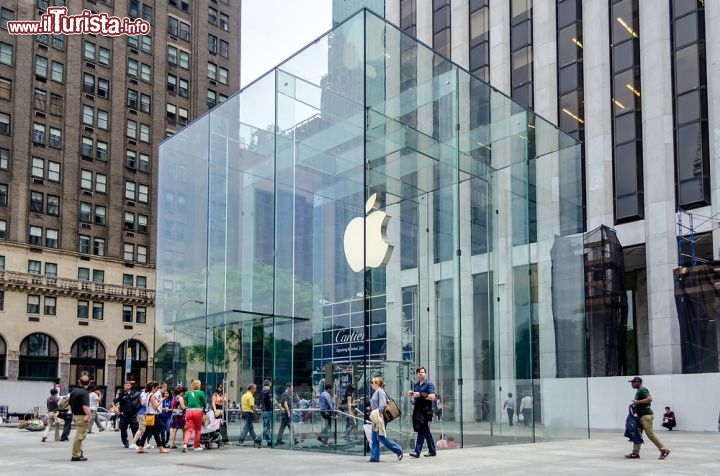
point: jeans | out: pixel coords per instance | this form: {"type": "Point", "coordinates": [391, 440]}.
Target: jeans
{"type": "Point", "coordinates": [267, 427]}
{"type": "Point", "coordinates": [510, 413]}
{"type": "Point", "coordinates": [527, 415]}
{"type": "Point", "coordinates": [422, 435]}
{"type": "Point", "coordinates": [67, 425]}
{"type": "Point", "coordinates": [249, 418]}
{"type": "Point", "coordinates": [349, 427]}
{"type": "Point", "coordinates": [389, 444]}
{"type": "Point", "coordinates": [126, 420]}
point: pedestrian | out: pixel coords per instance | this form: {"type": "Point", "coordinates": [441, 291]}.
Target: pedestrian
{"type": "Point", "coordinates": [378, 401]}
{"type": "Point", "coordinates": [526, 408]}
{"type": "Point", "coordinates": [266, 406]}
{"type": "Point", "coordinates": [286, 415]}
{"type": "Point", "coordinates": [509, 406]}
{"type": "Point", "coordinates": [423, 394]}
{"type": "Point", "coordinates": [247, 402]}
{"type": "Point", "coordinates": [485, 408]}
{"type": "Point", "coordinates": [327, 408]}
{"type": "Point", "coordinates": [194, 404]}
{"type": "Point", "coordinates": [80, 407]}
{"type": "Point", "coordinates": [52, 415]}
{"type": "Point", "coordinates": [178, 418]}
{"type": "Point", "coordinates": [95, 396]}
{"type": "Point", "coordinates": [669, 421]}
{"type": "Point", "coordinates": [348, 406]}
{"type": "Point", "coordinates": [153, 408]}
{"type": "Point", "coordinates": [127, 401]}
{"type": "Point", "coordinates": [642, 402]}
{"type": "Point", "coordinates": [165, 416]}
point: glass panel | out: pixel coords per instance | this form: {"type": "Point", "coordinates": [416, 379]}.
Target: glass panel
{"type": "Point", "coordinates": [342, 205]}
{"type": "Point", "coordinates": [686, 30]}
{"type": "Point", "coordinates": [687, 68]}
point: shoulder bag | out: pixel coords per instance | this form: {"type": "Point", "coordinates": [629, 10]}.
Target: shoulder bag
{"type": "Point", "coordinates": [391, 410]}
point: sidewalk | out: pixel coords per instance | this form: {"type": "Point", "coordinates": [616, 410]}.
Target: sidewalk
{"type": "Point", "coordinates": [692, 454]}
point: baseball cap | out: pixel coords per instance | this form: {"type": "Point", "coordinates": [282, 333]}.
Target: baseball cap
{"type": "Point", "coordinates": [636, 379]}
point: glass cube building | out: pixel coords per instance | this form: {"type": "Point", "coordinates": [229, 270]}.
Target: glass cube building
{"type": "Point", "coordinates": [365, 208]}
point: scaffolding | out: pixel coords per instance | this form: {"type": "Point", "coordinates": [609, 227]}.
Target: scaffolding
{"type": "Point", "coordinates": [605, 303]}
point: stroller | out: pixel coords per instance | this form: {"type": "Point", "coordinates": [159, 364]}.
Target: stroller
{"type": "Point", "coordinates": [210, 436]}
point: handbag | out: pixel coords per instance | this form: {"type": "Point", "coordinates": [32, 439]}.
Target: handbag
{"type": "Point", "coordinates": [178, 413]}
{"type": "Point", "coordinates": [391, 410]}
{"type": "Point", "coordinates": [149, 420]}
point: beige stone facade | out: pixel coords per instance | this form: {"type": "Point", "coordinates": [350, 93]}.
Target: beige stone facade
{"type": "Point", "coordinates": [81, 117]}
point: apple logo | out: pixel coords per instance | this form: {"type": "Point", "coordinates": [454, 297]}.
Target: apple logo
{"type": "Point", "coordinates": [377, 250]}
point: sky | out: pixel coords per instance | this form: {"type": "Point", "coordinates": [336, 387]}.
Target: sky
{"type": "Point", "coordinates": [272, 30]}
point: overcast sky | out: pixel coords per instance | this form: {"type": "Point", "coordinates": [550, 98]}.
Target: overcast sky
{"type": "Point", "coordinates": [272, 30]}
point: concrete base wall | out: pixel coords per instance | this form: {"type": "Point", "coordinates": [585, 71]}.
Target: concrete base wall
{"type": "Point", "coordinates": [693, 398]}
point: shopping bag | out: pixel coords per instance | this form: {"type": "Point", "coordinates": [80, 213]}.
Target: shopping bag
{"type": "Point", "coordinates": [368, 431]}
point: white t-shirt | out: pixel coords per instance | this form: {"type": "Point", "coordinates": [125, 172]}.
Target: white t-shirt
{"type": "Point", "coordinates": [94, 401]}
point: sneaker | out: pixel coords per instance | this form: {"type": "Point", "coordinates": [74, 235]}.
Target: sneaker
{"type": "Point", "coordinates": [149, 447]}
{"type": "Point", "coordinates": [44, 439]}
{"type": "Point", "coordinates": [199, 448]}
{"type": "Point", "coordinates": [633, 455]}
{"type": "Point", "coordinates": [102, 429]}
{"type": "Point", "coordinates": [184, 448]}
{"type": "Point", "coordinates": [664, 454]}
{"type": "Point", "coordinates": [132, 447]}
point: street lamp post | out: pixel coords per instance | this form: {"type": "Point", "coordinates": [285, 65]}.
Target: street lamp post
{"type": "Point", "coordinates": [176, 348]}
{"type": "Point", "coordinates": [128, 356]}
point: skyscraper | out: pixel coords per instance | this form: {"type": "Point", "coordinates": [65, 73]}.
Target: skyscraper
{"type": "Point", "coordinates": [81, 117]}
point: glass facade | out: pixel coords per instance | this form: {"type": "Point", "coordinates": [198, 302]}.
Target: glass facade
{"type": "Point", "coordinates": [331, 215]}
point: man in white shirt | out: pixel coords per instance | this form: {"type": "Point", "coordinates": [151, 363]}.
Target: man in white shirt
{"type": "Point", "coordinates": [526, 408]}
{"type": "Point", "coordinates": [95, 397]}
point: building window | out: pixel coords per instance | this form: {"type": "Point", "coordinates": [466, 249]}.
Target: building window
{"type": "Point", "coordinates": [98, 276]}
{"type": "Point", "coordinates": [128, 280]}
{"type": "Point", "coordinates": [57, 72]}
{"type": "Point", "coordinates": [142, 254]}
{"type": "Point", "coordinates": [53, 205]}
{"type": "Point", "coordinates": [129, 222]}
{"type": "Point", "coordinates": [142, 224]}
{"type": "Point", "coordinates": [3, 194]}
{"type": "Point", "coordinates": [100, 182]}
{"type": "Point", "coordinates": [82, 309]}
{"type": "Point", "coordinates": [83, 274]}
{"type": "Point", "coordinates": [133, 68]}
{"type": "Point", "coordinates": [127, 313]}
{"type": "Point", "coordinates": [37, 201]}
{"type": "Point", "coordinates": [224, 22]}
{"type": "Point", "coordinates": [6, 53]}
{"type": "Point", "coordinates": [84, 244]}
{"type": "Point", "coordinates": [144, 133]}
{"type": "Point", "coordinates": [4, 159]}
{"type": "Point", "coordinates": [86, 179]}
{"type": "Point", "coordinates": [38, 136]}
{"type": "Point", "coordinates": [3, 229]}
{"type": "Point", "coordinates": [51, 269]}
{"type": "Point", "coordinates": [55, 138]}
{"type": "Point", "coordinates": [5, 88]}
{"type": "Point", "coordinates": [6, 15]}
{"type": "Point", "coordinates": [51, 238]}
{"type": "Point", "coordinates": [100, 212]}
{"type": "Point", "coordinates": [212, 44]}
{"type": "Point", "coordinates": [35, 236]}
{"type": "Point", "coordinates": [212, 16]}
{"type": "Point", "coordinates": [224, 49]}
{"type": "Point", "coordinates": [34, 266]}
{"type": "Point", "coordinates": [99, 247]}
{"type": "Point", "coordinates": [141, 282]}
{"type": "Point", "coordinates": [98, 311]}
{"type": "Point", "coordinates": [146, 73]}
{"type": "Point", "coordinates": [141, 315]}
{"type": "Point", "coordinates": [131, 129]}
{"type": "Point", "coordinates": [5, 124]}
{"type": "Point", "coordinates": [143, 193]}
{"type": "Point", "coordinates": [212, 71]}
{"type": "Point", "coordinates": [128, 251]}
{"type": "Point", "coordinates": [38, 358]}
{"type": "Point", "coordinates": [50, 306]}
{"type": "Point", "coordinates": [130, 190]}
{"type": "Point", "coordinates": [33, 304]}
{"type": "Point", "coordinates": [145, 103]}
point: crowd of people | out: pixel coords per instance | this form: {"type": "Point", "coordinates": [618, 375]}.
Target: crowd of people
{"type": "Point", "coordinates": [154, 414]}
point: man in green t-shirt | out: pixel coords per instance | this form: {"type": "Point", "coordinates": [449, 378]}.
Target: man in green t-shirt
{"type": "Point", "coordinates": [645, 415]}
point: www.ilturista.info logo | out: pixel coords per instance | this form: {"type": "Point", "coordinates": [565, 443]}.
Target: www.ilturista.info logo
{"type": "Point", "coordinates": [57, 21]}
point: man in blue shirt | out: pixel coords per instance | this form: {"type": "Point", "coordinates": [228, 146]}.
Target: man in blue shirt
{"type": "Point", "coordinates": [423, 394]}
{"type": "Point", "coordinates": [327, 408]}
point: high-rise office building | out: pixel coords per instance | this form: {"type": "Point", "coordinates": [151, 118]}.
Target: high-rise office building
{"type": "Point", "coordinates": [637, 83]}
{"type": "Point", "coordinates": [81, 117]}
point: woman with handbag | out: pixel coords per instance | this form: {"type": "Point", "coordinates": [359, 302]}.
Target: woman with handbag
{"type": "Point", "coordinates": [378, 402]}
{"type": "Point", "coordinates": [195, 403]}
{"type": "Point", "coordinates": [152, 417]}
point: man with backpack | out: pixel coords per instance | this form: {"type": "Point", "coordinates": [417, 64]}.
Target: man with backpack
{"type": "Point", "coordinates": [128, 400]}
